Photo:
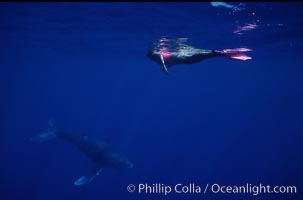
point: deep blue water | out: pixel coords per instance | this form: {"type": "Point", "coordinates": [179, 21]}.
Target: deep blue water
{"type": "Point", "coordinates": [84, 65]}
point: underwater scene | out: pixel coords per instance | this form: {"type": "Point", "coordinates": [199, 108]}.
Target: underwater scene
{"type": "Point", "coordinates": [180, 100]}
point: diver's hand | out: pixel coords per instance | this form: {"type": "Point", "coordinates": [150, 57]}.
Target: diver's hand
{"type": "Point", "coordinates": [165, 71]}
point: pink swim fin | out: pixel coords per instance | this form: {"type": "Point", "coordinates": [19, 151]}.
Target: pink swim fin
{"type": "Point", "coordinates": [235, 53]}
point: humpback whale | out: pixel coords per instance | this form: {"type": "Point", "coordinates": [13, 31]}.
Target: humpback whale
{"type": "Point", "coordinates": [100, 152]}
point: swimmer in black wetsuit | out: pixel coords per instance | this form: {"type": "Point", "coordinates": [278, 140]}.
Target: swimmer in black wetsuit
{"type": "Point", "coordinates": [190, 55]}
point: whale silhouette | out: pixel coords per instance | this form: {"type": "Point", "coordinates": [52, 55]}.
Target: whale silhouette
{"type": "Point", "coordinates": [100, 152]}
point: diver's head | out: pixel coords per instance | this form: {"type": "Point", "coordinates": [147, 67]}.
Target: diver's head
{"type": "Point", "coordinates": [150, 54]}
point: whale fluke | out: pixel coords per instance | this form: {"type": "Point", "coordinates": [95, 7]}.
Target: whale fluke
{"type": "Point", "coordinates": [47, 135]}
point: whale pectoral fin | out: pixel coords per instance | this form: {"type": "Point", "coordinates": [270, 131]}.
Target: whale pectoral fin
{"type": "Point", "coordinates": [164, 68]}
{"type": "Point", "coordinates": [89, 177]}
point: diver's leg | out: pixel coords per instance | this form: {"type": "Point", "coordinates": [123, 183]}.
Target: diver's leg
{"type": "Point", "coordinates": [237, 53]}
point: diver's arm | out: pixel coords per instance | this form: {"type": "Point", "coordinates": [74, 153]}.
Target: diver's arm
{"type": "Point", "coordinates": [163, 65]}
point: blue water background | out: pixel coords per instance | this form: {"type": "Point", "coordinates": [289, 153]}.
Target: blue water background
{"type": "Point", "coordinates": [84, 65]}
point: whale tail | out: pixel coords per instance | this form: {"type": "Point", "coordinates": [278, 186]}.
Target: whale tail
{"type": "Point", "coordinates": [237, 53]}
{"type": "Point", "coordinates": [47, 135]}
